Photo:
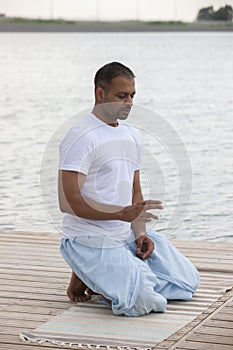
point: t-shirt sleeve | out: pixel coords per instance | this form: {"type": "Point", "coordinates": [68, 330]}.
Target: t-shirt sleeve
{"type": "Point", "coordinates": [76, 153]}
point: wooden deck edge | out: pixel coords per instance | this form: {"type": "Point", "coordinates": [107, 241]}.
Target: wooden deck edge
{"type": "Point", "coordinates": [171, 342]}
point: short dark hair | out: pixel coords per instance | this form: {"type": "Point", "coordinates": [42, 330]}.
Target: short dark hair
{"type": "Point", "coordinates": [109, 71]}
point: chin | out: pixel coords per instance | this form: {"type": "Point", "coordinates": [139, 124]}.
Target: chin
{"type": "Point", "coordinates": [123, 116]}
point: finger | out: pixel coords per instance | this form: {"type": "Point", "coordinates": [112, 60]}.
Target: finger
{"type": "Point", "coordinates": [139, 253]}
{"type": "Point", "coordinates": [150, 201]}
{"type": "Point", "coordinates": [146, 255]}
{"type": "Point", "coordinates": [139, 243]}
{"type": "Point", "coordinates": [149, 215]}
{"type": "Point", "coordinates": [148, 204]}
{"type": "Point", "coordinates": [142, 219]}
{"type": "Point", "coordinates": [153, 206]}
{"type": "Point", "coordinates": [147, 219]}
{"type": "Point", "coordinates": [143, 255]}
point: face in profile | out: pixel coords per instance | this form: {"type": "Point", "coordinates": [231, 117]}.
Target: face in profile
{"type": "Point", "coordinates": [116, 100]}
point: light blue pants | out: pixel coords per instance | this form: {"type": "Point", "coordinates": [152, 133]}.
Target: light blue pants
{"type": "Point", "coordinates": [135, 287]}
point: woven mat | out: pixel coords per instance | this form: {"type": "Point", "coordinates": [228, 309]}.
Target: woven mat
{"type": "Point", "coordinates": [93, 324]}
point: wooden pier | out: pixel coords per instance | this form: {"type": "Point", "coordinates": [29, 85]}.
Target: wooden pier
{"type": "Point", "coordinates": [33, 279]}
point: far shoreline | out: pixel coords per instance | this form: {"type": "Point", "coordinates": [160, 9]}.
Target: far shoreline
{"type": "Point", "coordinates": [56, 26]}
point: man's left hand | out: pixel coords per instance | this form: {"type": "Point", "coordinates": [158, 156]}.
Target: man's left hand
{"type": "Point", "coordinates": [145, 247]}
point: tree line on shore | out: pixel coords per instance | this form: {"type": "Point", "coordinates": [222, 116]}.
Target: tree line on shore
{"type": "Point", "coordinates": [222, 14]}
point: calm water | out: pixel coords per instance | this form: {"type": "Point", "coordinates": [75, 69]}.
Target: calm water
{"type": "Point", "coordinates": [186, 78]}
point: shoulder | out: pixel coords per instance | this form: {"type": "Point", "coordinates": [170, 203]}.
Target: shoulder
{"type": "Point", "coordinates": [134, 131]}
{"type": "Point", "coordinates": [82, 132]}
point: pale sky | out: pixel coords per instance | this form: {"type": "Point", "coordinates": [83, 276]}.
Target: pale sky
{"type": "Point", "coordinates": [107, 10]}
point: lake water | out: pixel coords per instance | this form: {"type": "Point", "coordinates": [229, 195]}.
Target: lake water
{"type": "Point", "coordinates": [185, 78]}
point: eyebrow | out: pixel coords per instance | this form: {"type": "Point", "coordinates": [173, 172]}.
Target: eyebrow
{"type": "Point", "coordinates": [126, 93]}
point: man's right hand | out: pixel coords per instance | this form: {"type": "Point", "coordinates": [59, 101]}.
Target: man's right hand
{"type": "Point", "coordinates": [138, 211]}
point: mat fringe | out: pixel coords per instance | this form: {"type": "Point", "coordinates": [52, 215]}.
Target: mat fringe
{"type": "Point", "coordinates": [35, 339]}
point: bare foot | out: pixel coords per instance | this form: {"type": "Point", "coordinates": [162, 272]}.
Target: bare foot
{"type": "Point", "coordinates": [90, 292]}
{"type": "Point", "coordinates": [76, 289]}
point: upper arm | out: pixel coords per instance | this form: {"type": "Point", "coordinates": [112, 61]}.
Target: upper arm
{"type": "Point", "coordinates": [69, 186]}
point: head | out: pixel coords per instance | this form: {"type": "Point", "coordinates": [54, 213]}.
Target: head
{"type": "Point", "coordinates": [114, 91]}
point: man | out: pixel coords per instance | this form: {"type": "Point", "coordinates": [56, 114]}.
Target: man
{"type": "Point", "coordinates": [104, 234]}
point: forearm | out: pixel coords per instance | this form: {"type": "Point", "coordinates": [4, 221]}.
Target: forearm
{"type": "Point", "coordinates": [138, 226]}
{"type": "Point", "coordinates": [89, 209]}
{"type": "Point", "coordinates": [71, 201]}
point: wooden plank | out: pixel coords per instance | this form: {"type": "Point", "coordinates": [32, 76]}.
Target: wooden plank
{"type": "Point", "coordinates": [31, 290]}
{"type": "Point", "coordinates": [27, 324]}
{"type": "Point", "coordinates": [35, 247]}
{"type": "Point", "coordinates": [34, 268]}
{"type": "Point", "coordinates": [206, 285]}
{"type": "Point", "coordinates": [43, 262]}
{"type": "Point", "coordinates": [228, 310]}
{"type": "Point", "coordinates": [41, 236]}
{"type": "Point", "coordinates": [9, 330]}
{"type": "Point", "coordinates": [217, 262]}
{"type": "Point", "coordinates": [31, 296]}
{"type": "Point", "coordinates": [220, 324]}
{"type": "Point", "coordinates": [11, 278]}
{"type": "Point", "coordinates": [21, 309]}
{"type": "Point", "coordinates": [203, 346]}
{"type": "Point", "coordinates": [221, 256]}
{"type": "Point", "coordinates": [215, 330]}
{"type": "Point", "coordinates": [216, 339]}
{"type": "Point", "coordinates": [9, 346]}
{"type": "Point", "coordinates": [31, 272]}
{"type": "Point", "coordinates": [37, 284]}
{"type": "Point", "coordinates": [223, 316]}
{"type": "Point", "coordinates": [15, 339]}
{"type": "Point", "coordinates": [51, 305]}
{"type": "Point", "coordinates": [38, 245]}
{"type": "Point", "coordinates": [25, 256]}
{"type": "Point", "coordinates": [213, 267]}
{"type": "Point", "coordinates": [17, 316]}
{"type": "Point", "coordinates": [203, 244]}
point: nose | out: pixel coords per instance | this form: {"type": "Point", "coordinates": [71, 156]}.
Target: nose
{"type": "Point", "coordinates": [129, 100]}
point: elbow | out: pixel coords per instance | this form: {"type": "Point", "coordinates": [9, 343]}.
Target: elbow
{"type": "Point", "coordinates": [65, 206]}
{"type": "Point", "coordinates": [62, 208]}
{"type": "Point", "coordinates": [71, 206]}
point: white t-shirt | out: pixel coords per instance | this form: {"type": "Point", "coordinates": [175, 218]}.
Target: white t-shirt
{"type": "Point", "coordinates": [108, 156]}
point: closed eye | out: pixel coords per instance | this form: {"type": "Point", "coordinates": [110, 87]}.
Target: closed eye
{"type": "Point", "coordinates": [121, 96]}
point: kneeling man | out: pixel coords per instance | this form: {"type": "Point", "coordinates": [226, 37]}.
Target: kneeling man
{"type": "Point", "coordinates": [104, 236]}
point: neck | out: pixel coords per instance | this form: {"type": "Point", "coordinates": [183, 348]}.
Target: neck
{"type": "Point", "coordinates": [101, 116]}
{"type": "Point", "coordinates": [113, 124]}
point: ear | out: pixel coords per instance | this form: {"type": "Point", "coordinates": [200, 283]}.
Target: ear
{"type": "Point", "coordinates": [99, 94]}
